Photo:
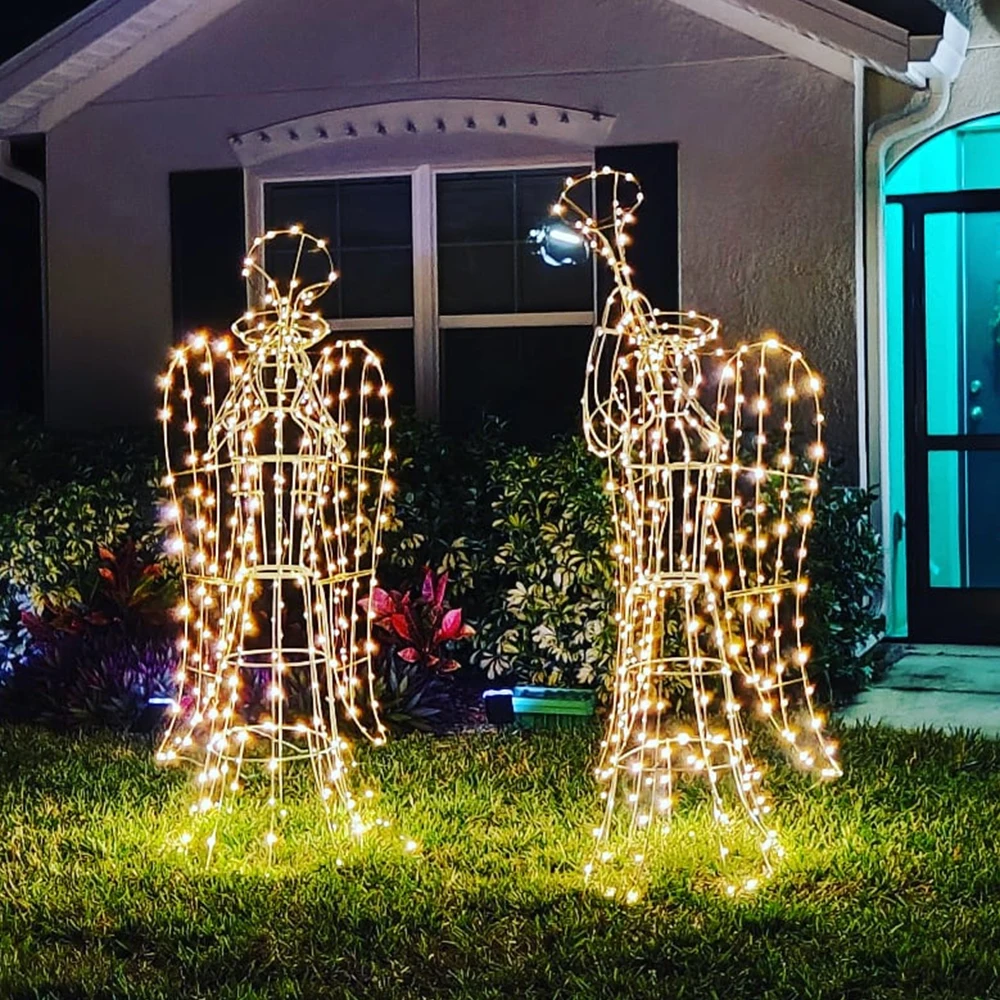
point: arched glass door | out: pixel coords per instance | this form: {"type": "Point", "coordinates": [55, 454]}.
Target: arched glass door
{"type": "Point", "coordinates": [945, 417]}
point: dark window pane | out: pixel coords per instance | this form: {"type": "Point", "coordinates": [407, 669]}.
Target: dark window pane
{"type": "Point", "coordinates": [539, 190]}
{"type": "Point", "coordinates": [376, 282]}
{"type": "Point", "coordinates": [368, 225]}
{"type": "Point", "coordinates": [530, 377]}
{"type": "Point", "coordinates": [376, 213]}
{"type": "Point", "coordinates": [543, 288]}
{"type": "Point", "coordinates": [475, 208]}
{"type": "Point", "coordinates": [313, 267]}
{"type": "Point", "coordinates": [482, 216]}
{"type": "Point", "coordinates": [476, 279]}
{"type": "Point", "coordinates": [312, 205]}
{"type": "Point", "coordinates": [395, 348]}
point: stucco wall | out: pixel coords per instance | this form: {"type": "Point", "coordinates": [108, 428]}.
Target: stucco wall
{"type": "Point", "coordinates": [766, 161]}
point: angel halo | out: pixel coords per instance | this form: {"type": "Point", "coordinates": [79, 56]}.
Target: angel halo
{"type": "Point", "coordinates": [712, 501]}
{"type": "Point", "coordinates": [276, 511]}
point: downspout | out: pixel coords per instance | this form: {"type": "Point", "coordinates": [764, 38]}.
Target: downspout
{"type": "Point", "coordinates": [32, 184]}
{"type": "Point", "coordinates": [921, 114]}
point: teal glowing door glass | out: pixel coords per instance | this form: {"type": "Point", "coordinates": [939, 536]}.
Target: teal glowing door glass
{"type": "Point", "coordinates": [962, 344]}
{"type": "Point", "coordinates": [962, 303]}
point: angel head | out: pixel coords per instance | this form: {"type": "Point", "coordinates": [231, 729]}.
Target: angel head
{"type": "Point", "coordinates": [285, 310]}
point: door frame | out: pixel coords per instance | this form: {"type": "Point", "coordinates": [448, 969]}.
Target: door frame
{"type": "Point", "coordinates": [941, 614]}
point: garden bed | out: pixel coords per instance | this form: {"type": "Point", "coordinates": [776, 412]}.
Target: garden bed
{"type": "Point", "coordinates": [890, 890]}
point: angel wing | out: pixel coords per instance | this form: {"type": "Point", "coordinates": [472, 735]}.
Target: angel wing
{"type": "Point", "coordinates": [768, 405]}
{"type": "Point", "coordinates": [197, 472]}
{"type": "Point", "coordinates": [350, 515]}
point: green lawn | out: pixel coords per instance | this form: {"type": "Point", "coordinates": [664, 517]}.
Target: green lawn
{"type": "Point", "coordinates": [891, 887]}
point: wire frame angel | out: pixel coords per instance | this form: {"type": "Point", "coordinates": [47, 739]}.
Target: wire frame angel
{"type": "Point", "coordinates": [712, 494]}
{"type": "Point", "coordinates": [277, 507]}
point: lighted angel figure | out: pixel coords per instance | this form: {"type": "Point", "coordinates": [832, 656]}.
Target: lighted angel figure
{"type": "Point", "coordinates": [712, 494]}
{"type": "Point", "coordinates": [277, 510]}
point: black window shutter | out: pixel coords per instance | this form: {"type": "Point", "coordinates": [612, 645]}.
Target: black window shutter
{"type": "Point", "coordinates": [208, 237]}
{"type": "Point", "coordinates": [22, 321]}
{"type": "Point", "coordinates": [654, 254]}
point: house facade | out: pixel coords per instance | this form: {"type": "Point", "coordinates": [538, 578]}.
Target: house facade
{"type": "Point", "coordinates": [782, 145]}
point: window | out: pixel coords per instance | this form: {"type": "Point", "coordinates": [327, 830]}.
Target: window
{"type": "Point", "coordinates": [509, 334]}
{"type": "Point", "coordinates": [367, 222]}
{"type": "Point", "coordinates": [514, 331]}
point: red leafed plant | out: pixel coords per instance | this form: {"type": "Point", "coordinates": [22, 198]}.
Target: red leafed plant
{"type": "Point", "coordinates": [419, 627]}
{"type": "Point", "coordinates": [134, 588]}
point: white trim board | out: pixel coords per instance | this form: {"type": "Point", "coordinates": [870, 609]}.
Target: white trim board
{"type": "Point", "coordinates": [831, 35]}
{"type": "Point", "coordinates": [401, 121]}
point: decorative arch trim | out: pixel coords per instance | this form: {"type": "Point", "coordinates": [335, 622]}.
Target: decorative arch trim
{"type": "Point", "coordinates": [398, 122]}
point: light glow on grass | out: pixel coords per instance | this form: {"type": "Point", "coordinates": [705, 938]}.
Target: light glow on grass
{"type": "Point", "coordinates": [888, 890]}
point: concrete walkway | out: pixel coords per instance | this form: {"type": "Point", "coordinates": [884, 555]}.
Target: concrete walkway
{"type": "Point", "coordinates": [948, 687]}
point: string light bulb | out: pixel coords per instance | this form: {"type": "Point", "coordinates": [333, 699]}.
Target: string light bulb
{"type": "Point", "coordinates": [277, 508]}
{"type": "Point", "coordinates": [712, 500]}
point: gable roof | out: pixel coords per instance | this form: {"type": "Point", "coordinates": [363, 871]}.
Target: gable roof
{"type": "Point", "coordinates": [109, 40]}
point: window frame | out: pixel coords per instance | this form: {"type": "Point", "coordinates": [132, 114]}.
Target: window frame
{"type": "Point", "coordinates": [427, 323]}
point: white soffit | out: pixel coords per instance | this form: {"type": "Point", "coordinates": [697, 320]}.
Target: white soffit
{"type": "Point", "coordinates": [104, 62]}
{"type": "Point", "coordinates": [402, 121]}
{"type": "Point", "coordinates": [831, 35]}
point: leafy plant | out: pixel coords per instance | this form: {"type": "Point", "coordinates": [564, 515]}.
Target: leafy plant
{"type": "Point", "coordinates": [15, 639]}
{"type": "Point", "coordinates": [135, 590]}
{"type": "Point", "coordinates": [97, 677]}
{"type": "Point", "coordinates": [420, 629]}
{"type": "Point", "coordinates": [421, 633]}
{"type": "Point", "coordinates": [411, 698]}
{"type": "Point", "coordinates": [843, 619]}
{"type": "Point", "coordinates": [61, 498]}
{"type": "Point", "coordinates": [440, 513]}
{"type": "Point", "coordinates": [553, 620]}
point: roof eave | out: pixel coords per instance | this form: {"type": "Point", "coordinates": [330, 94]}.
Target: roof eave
{"type": "Point", "coordinates": [105, 44]}
{"type": "Point", "coordinates": [832, 35]}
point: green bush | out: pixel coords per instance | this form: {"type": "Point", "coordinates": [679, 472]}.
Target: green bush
{"type": "Point", "coordinates": [441, 513]}
{"type": "Point", "coordinates": [842, 614]}
{"type": "Point", "coordinates": [552, 618]}
{"type": "Point", "coordinates": [61, 498]}
{"type": "Point", "coordinates": [525, 536]}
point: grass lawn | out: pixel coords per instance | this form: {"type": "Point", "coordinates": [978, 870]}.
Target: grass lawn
{"type": "Point", "coordinates": [891, 887]}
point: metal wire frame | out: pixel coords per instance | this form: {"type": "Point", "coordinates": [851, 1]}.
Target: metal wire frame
{"type": "Point", "coordinates": [712, 497]}
{"type": "Point", "coordinates": [277, 509]}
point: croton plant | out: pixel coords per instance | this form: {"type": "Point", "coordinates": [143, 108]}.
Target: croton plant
{"type": "Point", "coordinates": [419, 627]}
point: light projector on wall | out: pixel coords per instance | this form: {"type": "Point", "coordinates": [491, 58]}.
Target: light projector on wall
{"type": "Point", "coordinates": [558, 245]}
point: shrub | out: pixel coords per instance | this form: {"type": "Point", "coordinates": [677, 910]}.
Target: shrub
{"type": "Point", "coordinates": [411, 697]}
{"type": "Point", "coordinates": [524, 536]}
{"type": "Point", "coordinates": [61, 498]}
{"type": "Point", "coordinates": [441, 514]}
{"type": "Point", "coordinates": [421, 633]}
{"type": "Point", "coordinates": [845, 588]}
{"type": "Point", "coordinates": [101, 676]}
{"type": "Point", "coordinates": [419, 628]}
{"type": "Point", "coordinates": [552, 620]}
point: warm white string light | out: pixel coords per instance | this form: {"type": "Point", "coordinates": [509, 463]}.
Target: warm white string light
{"type": "Point", "coordinates": [712, 502]}
{"type": "Point", "coordinates": [276, 515]}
